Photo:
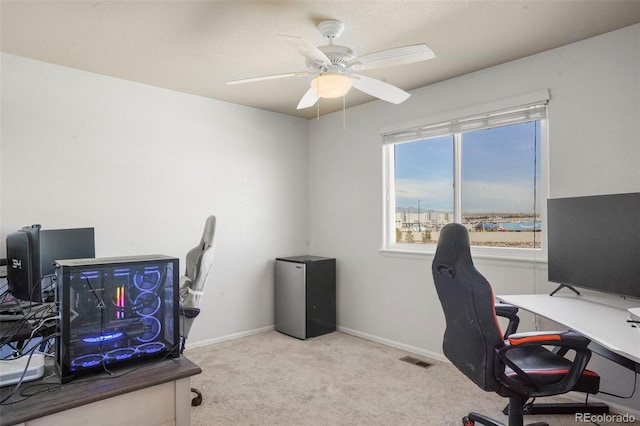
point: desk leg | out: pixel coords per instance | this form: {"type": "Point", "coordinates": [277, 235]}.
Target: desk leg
{"type": "Point", "coordinates": [183, 401]}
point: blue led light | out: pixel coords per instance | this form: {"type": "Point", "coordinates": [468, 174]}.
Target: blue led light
{"type": "Point", "coordinates": [103, 337]}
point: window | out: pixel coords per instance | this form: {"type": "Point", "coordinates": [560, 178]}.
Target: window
{"type": "Point", "coordinates": [484, 172]}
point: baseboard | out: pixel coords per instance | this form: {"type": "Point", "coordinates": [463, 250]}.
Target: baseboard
{"type": "Point", "coordinates": [346, 330]}
{"type": "Point", "coordinates": [394, 344]}
{"type": "Point", "coordinates": [192, 345]}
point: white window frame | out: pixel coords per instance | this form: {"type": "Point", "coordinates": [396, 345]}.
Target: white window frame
{"type": "Point", "coordinates": [414, 131]}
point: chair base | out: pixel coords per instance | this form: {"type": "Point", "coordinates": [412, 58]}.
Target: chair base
{"type": "Point", "coordinates": [515, 413]}
{"type": "Point", "coordinates": [474, 418]}
{"type": "Point", "coordinates": [197, 400]}
{"type": "Point", "coordinates": [562, 408]}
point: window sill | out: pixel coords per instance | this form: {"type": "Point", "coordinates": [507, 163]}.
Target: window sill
{"type": "Point", "coordinates": [528, 257]}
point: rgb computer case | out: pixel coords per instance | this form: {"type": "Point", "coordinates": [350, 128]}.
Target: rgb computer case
{"type": "Point", "coordinates": [115, 311]}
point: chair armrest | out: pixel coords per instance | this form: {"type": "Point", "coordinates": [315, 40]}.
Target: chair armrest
{"type": "Point", "coordinates": [568, 339]}
{"type": "Point", "coordinates": [188, 312]}
{"type": "Point", "coordinates": [511, 313]}
{"type": "Point", "coordinates": [565, 340]}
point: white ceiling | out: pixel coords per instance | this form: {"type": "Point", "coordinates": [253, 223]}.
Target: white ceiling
{"type": "Point", "coordinates": [196, 46]}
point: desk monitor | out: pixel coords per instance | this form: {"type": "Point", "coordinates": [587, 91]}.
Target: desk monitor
{"type": "Point", "coordinates": [594, 242]}
{"type": "Point", "coordinates": [31, 253]}
{"type": "Point", "coordinates": [58, 244]}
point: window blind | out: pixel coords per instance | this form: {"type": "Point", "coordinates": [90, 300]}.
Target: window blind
{"type": "Point", "coordinates": [516, 115]}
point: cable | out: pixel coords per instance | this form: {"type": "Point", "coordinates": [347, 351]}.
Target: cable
{"type": "Point", "coordinates": [535, 179]}
{"type": "Point", "coordinates": [124, 373]}
{"type": "Point", "coordinates": [42, 323]}
{"type": "Point", "coordinates": [182, 325]}
{"type": "Point", "coordinates": [24, 372]}
{"type": "Point", "coordinates": [103, 323]}
{"type": "Point", "coordinates": [37, 388]}
{"type": "Point", "coordinates": [39, 314]}
{"type": "Point", "coordinates": [41, 388]}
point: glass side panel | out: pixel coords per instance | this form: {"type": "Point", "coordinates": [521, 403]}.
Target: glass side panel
{"type": "Point", "coordinates": [120, 312]}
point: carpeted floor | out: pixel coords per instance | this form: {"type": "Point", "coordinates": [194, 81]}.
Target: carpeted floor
{"type": "Point", "coordinates": [335, 379]}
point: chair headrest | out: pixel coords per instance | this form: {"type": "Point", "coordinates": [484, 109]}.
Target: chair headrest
{"type": "Point", "coordinates": [209, 232]}
{"type": "Point", "coordinates": [453, 245]}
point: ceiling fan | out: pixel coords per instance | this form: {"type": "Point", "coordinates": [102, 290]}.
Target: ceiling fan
{"type": "Point", "coordinates": [335, 68]}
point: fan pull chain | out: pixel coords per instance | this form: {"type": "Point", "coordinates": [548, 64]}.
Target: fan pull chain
{"type": "Point", "coordinates": [318, 104]}
{"type": "Point", "coordinates": [344, 113]}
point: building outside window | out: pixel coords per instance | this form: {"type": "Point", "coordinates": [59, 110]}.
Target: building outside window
{"type": "Point", "coordinates": [484, 172]}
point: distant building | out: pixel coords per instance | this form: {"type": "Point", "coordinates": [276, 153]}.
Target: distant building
{"type": "Point", "coordinates": [427, 219]}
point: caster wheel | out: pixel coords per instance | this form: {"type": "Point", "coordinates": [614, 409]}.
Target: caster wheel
{"type": "Point", "coordinates": [197, 400]}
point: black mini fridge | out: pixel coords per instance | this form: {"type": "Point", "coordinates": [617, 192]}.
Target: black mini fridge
{"type": "Point", "coordinates": [305, 296]}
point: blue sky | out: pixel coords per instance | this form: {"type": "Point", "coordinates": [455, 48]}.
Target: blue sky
{"type": "Point", "coordinates": [497, 171]}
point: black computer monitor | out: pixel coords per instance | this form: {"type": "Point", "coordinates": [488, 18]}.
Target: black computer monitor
{"type": "Point", "coordinates": [31, 253]}
{"type": "Point", "coordinates": [58, 244]}
{"type": "Point", "coordinates": [594, 242]}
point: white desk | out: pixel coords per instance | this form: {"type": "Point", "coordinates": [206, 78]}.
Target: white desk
{"type": "Point", "coordinates": [603, 319]}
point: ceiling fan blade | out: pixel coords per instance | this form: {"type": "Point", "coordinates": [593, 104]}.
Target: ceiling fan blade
{"type": "Point", "coordinates": [379, 89]}
{"type": "Point", "coordinates": [392, 57]}
{"type": "Point", "coordinates": [309, 99]}
{"type": "Point", "coordinates": [269, 77]}
{"type": "Point", "coordinates": [307, 49]}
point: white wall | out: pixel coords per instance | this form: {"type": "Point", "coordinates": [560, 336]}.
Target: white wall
{"type": "Point", "coordinates": [594, 148]}
{"type": "Point", "coordinates": [145, 166]}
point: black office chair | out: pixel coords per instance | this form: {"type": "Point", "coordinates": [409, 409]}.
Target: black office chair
{"type": "Point", "coordinates": [516, 366]}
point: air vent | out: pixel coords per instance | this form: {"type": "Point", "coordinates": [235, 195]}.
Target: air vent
{"type": "Point", "coordinates": [415, 361]}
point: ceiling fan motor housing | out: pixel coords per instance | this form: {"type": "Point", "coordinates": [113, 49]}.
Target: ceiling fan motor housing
{"type": "Point", "coordinates": [331, 28]}
{"type": "Point", "coordinates": [338, 55]}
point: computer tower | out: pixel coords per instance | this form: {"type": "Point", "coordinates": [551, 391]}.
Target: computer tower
{"type": "Point", "coordinates": [116, 311]}
{"type": "Point", "coordinates": [305, 296]}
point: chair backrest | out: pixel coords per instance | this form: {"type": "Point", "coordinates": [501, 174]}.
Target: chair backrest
{"type": "Point", "coordinates": [194, 256]}
{"type": "Point", "coordinates": [472, 329]}
{"type": "Point", "coordinates": [198, 263]}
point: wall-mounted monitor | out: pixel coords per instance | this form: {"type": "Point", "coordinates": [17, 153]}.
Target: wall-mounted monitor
{"type": "Point", "coordinates": [594, 242]}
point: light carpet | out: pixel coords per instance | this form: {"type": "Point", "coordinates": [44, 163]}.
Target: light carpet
{"type": "Point", "coordinates": [335, 379]}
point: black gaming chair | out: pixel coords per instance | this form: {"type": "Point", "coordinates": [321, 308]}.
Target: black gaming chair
{"type": "Point", "coordinates": [516, 366]}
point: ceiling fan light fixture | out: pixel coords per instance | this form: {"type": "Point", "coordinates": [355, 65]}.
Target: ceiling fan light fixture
{"type": "Point", "coordinates": [331, 85]}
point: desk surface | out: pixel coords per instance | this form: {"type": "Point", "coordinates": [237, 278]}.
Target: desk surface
{"type": "Point", "coordinates": [601, 319]}
{"type": "Point", "coordinates": [89, 388]}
